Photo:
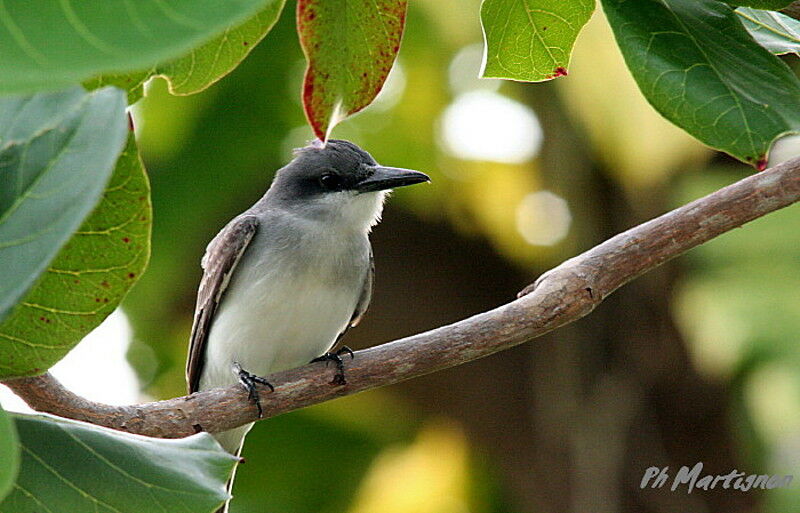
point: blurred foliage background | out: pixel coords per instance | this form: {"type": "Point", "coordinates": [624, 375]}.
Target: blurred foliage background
{"type": "Point", "coordinates": [695, 362]}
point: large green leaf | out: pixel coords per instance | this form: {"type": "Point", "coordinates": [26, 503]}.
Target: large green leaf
{"type": "Point", "coordinates": [47, 44]}
{"type": "Point", "coordinates": [56, 154]}
{"type": "Point", "coordinates": [88, 278]}
{"type": "Point", "coordinates": [350, 46]}
{"type": "Point", "coordinates": [774, 31]}
{"type": "Point", "coordinates": [205, 65]}
{"type": "Point", "coordinates": [531, 40]}
{"type": "Point", "coordinates": [76, 467]}
{"type": "Point", "coordinates": [699, 67]}
{"type": "Point", "coordinates": [9, 454]}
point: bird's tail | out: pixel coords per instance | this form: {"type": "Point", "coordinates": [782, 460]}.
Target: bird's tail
{"type": "Point", "coordinates": [232, 441]}
{"type": "Point", "coordinates": [228, 488]}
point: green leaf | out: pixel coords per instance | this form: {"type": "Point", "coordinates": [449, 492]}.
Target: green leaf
{"type": "Point", "coordinates": [80, 468]}
{"type": "Point", "coordinates": [9, 454]}
{"type": "Point", "coordinates": [531, 40]}
{"type": "Point", "coordinates": [697, 65]}
{"type": "Point", "coordinates": [56, 154]}
{"type": "Point", "coordinates": [350, 46]}
{"type": "Point", "coordinates": [772, 5]}
{"type": "Point", "coordinates": [778, 33]}
{"type": "Point", "coordinates": [205, 65]}
{"type": "Point", "coordinates": [48, 45]}
{"type": "Point", "coordinates": [88, 278]}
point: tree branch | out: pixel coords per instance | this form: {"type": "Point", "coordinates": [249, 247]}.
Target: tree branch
{"type": "Point", "coordinates": [560, 296]}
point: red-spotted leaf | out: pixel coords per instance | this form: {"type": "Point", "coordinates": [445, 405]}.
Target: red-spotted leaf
{"type": "Point", "coordinates": [350, 46]}
{"type": "Point", "coordinates": [90, 274]}
{"type": "Point", "coordinates": [531, 40]}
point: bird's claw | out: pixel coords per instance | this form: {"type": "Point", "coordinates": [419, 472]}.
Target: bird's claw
{"type": "Point", "coordinates": [346, 350]}
{"type": "Point", "coordinates": [338, 378]}
{"type": "Point", "coordinates": [249, 381]}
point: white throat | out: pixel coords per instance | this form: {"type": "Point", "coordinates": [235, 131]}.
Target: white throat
{"type": "Point", "coordinates": [348, 210]}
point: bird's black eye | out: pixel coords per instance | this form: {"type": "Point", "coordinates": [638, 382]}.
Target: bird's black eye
{"type": "Point", "coordinates": [330, 181]}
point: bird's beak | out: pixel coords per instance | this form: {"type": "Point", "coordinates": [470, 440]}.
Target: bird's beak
{"type": "Point", "coordinates": [382, 178]}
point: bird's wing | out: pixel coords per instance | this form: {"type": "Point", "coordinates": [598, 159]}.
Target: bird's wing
{"type": "Point", "coordinates": [222, 255]}
{"type": "Point", "coordinates": [366, 294]}
{"type": "Point", "coordinates": [363, 300]}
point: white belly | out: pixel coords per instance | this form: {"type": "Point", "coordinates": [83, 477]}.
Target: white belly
{"type": "Point", "coordinates": [280, 311]}
{"type": "Point", "coordinates": [269, 324]}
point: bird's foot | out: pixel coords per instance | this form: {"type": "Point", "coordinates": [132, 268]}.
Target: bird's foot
{"type": "Point", "coordinates": [249, 381]}
{"type": "Point", "coordinates": [346, 350]}
{"type": "Point", "coordinates": [338, 378]}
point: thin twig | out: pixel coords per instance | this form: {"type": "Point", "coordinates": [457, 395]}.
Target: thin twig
{"type": "Point", "coordinates": [561, 296]}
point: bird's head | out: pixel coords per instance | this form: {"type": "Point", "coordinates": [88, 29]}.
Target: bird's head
{"type": "Point", "coordinates": [338, 182]}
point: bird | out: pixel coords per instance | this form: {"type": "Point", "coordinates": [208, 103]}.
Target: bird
{"type": "Point", "coordinates": [284, 280]}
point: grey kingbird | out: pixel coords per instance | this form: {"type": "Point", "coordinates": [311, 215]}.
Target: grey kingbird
{"type": "Point", "coordinates": [285, 279]}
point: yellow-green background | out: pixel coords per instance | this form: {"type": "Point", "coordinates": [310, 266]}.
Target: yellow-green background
{"type": "Point", "coordinates": [698, 361]}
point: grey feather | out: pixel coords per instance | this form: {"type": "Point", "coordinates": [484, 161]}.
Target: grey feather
{"type": "Point", "coordinates": [219, 262]}
{"type": "Point", "coordinates": [363, 300]}
{"type": "Point", "coordinates": [366, 293]}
